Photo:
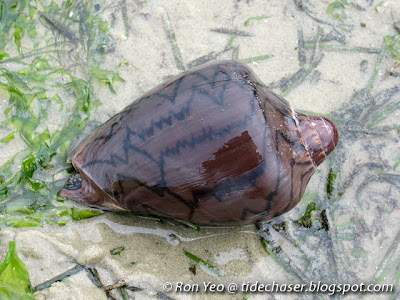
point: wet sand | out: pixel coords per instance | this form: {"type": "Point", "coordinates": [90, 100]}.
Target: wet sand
{"type": "Point", "coordinates": [362, 242]}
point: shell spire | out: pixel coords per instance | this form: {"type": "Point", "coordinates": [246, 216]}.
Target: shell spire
{"type": "Point", "coordinates": [319, 134]}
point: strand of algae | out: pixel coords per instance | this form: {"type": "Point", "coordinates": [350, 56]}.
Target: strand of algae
{"type": "Point", "coordinates": [173, 41]}
{"type": "Point", "coordinates": [27, 87]}
{"type": "Point", "coordinates": [345, 48]}
{"type": "Point", "coordinates": [314, 63]}
{"type": "Point", "coordinates": [383, 268]}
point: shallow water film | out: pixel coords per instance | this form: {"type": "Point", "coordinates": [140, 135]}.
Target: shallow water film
{"type": "Point", "coordinates": [68, 66]}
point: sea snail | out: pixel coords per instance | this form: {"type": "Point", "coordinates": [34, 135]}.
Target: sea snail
{"type": "Point", "coordinates": [211, 146]}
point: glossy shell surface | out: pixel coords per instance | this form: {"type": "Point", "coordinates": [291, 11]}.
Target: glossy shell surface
{"type": "Point", "coordinates": [211, 146]}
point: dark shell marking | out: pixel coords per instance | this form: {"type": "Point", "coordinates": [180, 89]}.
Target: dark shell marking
{"type": "Point", "coordinates": [211, 146]}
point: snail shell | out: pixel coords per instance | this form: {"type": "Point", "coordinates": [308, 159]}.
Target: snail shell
{"type": "Point", "coordinates": [211, 146]}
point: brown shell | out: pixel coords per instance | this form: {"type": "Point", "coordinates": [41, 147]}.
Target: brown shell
{"type": "Point", "coordinates": [211, 146]}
